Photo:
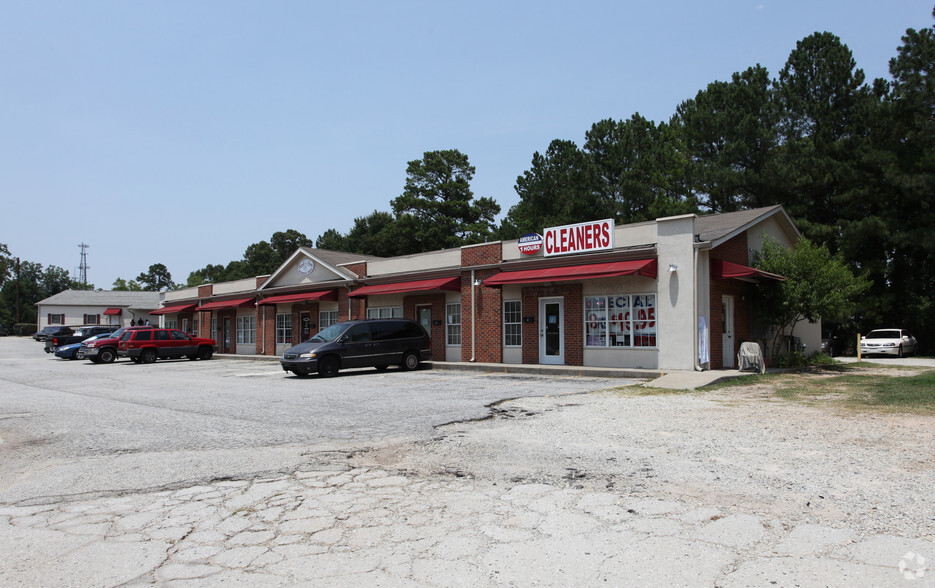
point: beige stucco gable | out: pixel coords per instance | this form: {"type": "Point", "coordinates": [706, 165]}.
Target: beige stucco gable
{"type": "Point", "coordinates": [304, 268]}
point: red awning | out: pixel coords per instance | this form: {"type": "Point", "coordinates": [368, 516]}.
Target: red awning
{"type": "Point", "coordinates": [113, 311]}
{"type": "Point", "coordinates": [725, 270]}
{"type": "Point", "coordinates": [227, 304]}
{"type": "Point", "coordinates": [637, 267]}
{"type": "Point", "coordinates": [305, 296]}
{"type": "Point", "coordinates": [174, 309]}
{"type": "Point", "coordinates": [453, 284]}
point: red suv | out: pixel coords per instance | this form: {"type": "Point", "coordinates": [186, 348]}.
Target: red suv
{"type": "Point", "coordinates": [104, 350]}
{"type": "Point", "coordinates": [146, 345]}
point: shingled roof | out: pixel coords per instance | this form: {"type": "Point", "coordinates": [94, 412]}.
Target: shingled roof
{"type": "Point", "coordinates": [109, 298]}
{"type": "Point", "coordinates": [718, 228]}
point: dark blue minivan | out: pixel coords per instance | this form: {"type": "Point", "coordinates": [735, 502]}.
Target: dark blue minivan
{"type": "Point", "coordinates": [377, 343]}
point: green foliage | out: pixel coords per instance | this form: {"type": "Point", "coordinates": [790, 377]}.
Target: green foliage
{"type": "Point", "coordinates": [23, 289]}
{"type": "Point", "coordinates": [121, 285]}
{"type": "Point", "coordinates": [7, 264]}
{"type": "Point", "coordinates": [437, 208]}
{"type": "Point", "coordinates": [817, 286]}
{"type": "Point", "coordinates": [559, 189]}
{"type": "Point", "coordinates": [730, 136]}
{"type": "Point", "coordinates": [156, 279]}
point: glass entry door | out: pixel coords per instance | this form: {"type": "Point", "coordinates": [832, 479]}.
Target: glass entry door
{"type": "Point", "coordinates": [552, 331]}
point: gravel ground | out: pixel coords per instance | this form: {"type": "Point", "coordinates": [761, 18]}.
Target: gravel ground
{"type": "Point", "coordinates": [741, 450]}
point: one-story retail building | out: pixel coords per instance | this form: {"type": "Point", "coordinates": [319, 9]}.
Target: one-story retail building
{"type": "Point", "coordinates": [672, 293]}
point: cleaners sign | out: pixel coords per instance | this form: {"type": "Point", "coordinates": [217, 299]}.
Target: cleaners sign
{"type": "Point", "coordinates": [579, 238]}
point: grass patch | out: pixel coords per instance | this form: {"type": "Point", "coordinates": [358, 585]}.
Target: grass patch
{"type": "Point", "coordinates": [883, 392]}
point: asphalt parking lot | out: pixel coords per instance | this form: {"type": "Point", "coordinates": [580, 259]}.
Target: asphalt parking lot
{"type": "Point", "coordinates": [183, 421]}
{"type": "Point", "coordinates": [231, 472]}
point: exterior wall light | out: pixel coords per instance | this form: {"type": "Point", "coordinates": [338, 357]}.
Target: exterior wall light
{"type": "Point", "coordinates": [673, 268]}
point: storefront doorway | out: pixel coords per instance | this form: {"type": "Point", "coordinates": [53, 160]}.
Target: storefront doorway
{"type": "Point", "coordinates": [727, 338]}
{"type": "Point", "coordinates": [552, 331]}
{"type": "Point", "coordinates": [424, 316]}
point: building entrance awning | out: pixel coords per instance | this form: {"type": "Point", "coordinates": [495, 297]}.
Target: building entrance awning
{"type": "Point", "coordinates": [174, 309]}
{"type": "Point", "coordinates": [725, 270]}
{"type": "Point", "coordinates": [451, 284]}
{"type": "Point", "coordinates": [303, 297]}
{"type": "Point", "coordinates": [636, 267]}
{"type": "Point", "coordinates": [220, 304]}
{"type": "Point", "coordinates": [113, 312]}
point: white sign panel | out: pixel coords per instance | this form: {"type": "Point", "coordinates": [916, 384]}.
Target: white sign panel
{"type": "Point", "coordinates": [579, 238]}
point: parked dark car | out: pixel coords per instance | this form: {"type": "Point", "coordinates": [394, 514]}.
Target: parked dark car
{"type": "Point", "coordinates": [104, 349]}
{"type": "Point", "coordinates": [70, 351]}
{"type": "Point", "coordinates": [147, 345]}
{"type": "Point", "coordinates": [52, 331]}
{"type": "Point", "coordinates": [377, 343]}
{"type": "Point", "coordinates": [3, 331]}
{"type": "Point", "coordinates": [53, 342]}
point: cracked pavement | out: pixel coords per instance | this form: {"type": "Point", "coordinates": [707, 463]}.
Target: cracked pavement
{"type": "Point", "coordinates": [557, 488]}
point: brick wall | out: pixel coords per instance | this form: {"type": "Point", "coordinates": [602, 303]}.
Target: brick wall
{"type": "Point", "coordinates": [436, 332]}
{"type": "Point", "coordinates": [485, 254]}
{"type": "Point", "coordinates": [297, 311]}
{"type": "Point", "coordinates": [205, 290]}
{"type": "Point", "coordinates": [488, 309]}
{"type": "Point", "coordinates": [266, 329]}
{"type": "Point", "coordinates": [735, 251]}
{"type": "Point", "coordinates": [574, 321]}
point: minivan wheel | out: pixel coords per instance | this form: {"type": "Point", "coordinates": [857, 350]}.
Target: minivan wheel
{"type": "Point", "coordinates": [410, 361]}
{"type": "Point", "coordinates": [106, 356]}
{"type": "Point", "coordinates": [205, 353]}
{"type": "Point", "coordinates": [328, 367]}
{"type": "Point", "coordinates": [148, 356]}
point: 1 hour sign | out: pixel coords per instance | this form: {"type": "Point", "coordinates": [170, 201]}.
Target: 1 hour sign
{"type": "Point", "coordinates": [579, 238]}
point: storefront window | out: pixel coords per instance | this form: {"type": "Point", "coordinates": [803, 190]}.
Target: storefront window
{"type": "Point", "coordinates": [595, 316]}
{"type": "Point", "coordinates": [620, 321]}
{"type": "Point", "coordinates": [284, 328]}
{"type": "Point", "coordinates": [513, 323]}
{"type": "Point", "coordinates": [326, 318]}
{"type": "Point", "coordinates": [385, 312]}
{"type": "Point", "coordinates": [246, 329]}
{"type": "Point", "coordinates": [453, 324]}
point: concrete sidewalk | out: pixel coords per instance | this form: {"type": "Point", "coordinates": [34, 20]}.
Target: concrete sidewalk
{"type": "Point", "coordinates": [671, 379]}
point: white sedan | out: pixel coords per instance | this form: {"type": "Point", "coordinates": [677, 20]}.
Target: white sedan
{"type": "Point", "coordinates": [898, 342]}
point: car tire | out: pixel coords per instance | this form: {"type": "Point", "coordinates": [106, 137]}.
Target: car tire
{"type": "Point", "coordinates": [381, 368]}
{"type": "Point", "coordinates": [148, 356]}
{"type": "Point", "coordinates": [106, 356]}
{"type": "Point", "coordinates": [205, 353]}
{"type": "Point", "coordinates": [899, 352]}
{"type": "Point", "coordinates": [410, 361]}
{"type": "Point", "coordinates": [192, 356]}
{"type": "Point", "coordinates": [328, 367]}
{"type": "Point", "coordinates": [94, 359]}
{"type": "Point", "coordinates": [301, 374]}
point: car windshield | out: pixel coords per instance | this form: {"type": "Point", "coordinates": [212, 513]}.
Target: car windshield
{"type": "Point", "coordinates": [329, 334]}
{"type": "Point", "coordinates": [883, 335]}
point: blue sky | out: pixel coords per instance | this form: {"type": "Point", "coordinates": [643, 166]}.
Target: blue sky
{"type": "Point", "coordinates": [181, 132]}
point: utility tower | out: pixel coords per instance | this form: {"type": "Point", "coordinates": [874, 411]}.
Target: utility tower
{"type": "Point", "coordinates": [83, 268]}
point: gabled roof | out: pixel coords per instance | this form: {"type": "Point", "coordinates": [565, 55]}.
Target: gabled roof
{"type": "Point", "coordinates": [336, 258]}
{"type": "Point", "coordinates": [332, 260]}
{"type": "Point", "coordinates": [718, 228]}
{"type": "Point", "coordinates": [109, 298]}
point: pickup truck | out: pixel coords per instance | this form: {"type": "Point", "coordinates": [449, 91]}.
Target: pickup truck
{"type": "Point", "coordinates": [52, 342]}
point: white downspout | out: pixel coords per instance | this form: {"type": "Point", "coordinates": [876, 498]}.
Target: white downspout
{"type": "Point", "coordinates": [698, 366]}
{"type": "Point", "coordinates": [473, 321]}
